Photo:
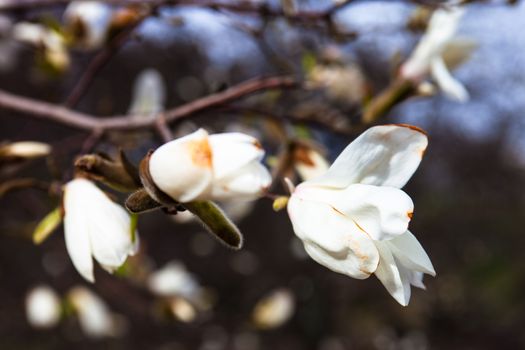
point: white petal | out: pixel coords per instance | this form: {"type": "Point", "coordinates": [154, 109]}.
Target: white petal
{"type": "Point", "coordinates": [248, 183]}
{"type": "Point", "coordinates": [395, 280]}
{"type": "Point", "coordinates": [76, 228]}
{"type": "Point", "coordinates": [110, 234]}
{"type": "Point", "coordinates": [441, 29]}
{"type": "Point", "coordinates": [411, 254]}
{"type": "Point", "coordinates": [416, 279]}
{"type": "Point", "coordinates": [233, 151]}
{"type": "Point", "coordinates": [384, 155]}
{"type": "Point", "coordinates": [183, 168]}
{"type": "Point", "coordinates": [332, 239]}
{"type": "Point", "coordinates": [382, 212]}
{"type": "Point", "coordinates": [447, 83]}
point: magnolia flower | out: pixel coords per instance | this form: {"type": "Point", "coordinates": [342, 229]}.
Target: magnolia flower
{"type": "Point", "coordinates": [428, 55]}
{"type": "Point", "coordinates": [95, 318]}
{"type": "Point", "coordinates": [88, 22]}
{"type": "Point", "coordinates": [203, 167]}
{"type": "Point", "coordinates": [354, 218]}
{"type": "Point", "coordinates": [94, 226]}
{"type": "Point", "coordinates": [42, 307]}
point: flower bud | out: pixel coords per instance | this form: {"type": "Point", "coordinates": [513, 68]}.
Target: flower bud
{"type": "Point", "coordinates": [210, 167]}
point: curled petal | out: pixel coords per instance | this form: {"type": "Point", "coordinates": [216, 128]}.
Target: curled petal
{"type": "Point", "coordinates": [447, 83]}
{"type": "Point", "coordinates": [111, 237]}
{"type": "Point", "coordinates": [382, 212]}
{"type": "Point", "coordinates": [332, 239]}
{"type": "Point", "coordinates": [411, 254]}
{"type": "Point", "coordinates": [441, 29]}
{"type": "Point", "coordinates": [232, 152]}
{"type": "Point", "coordinates": [183, 168]}
{"type": "Point", "coordinates": [385, 155]}
{"type": "Point", "coordinates": [395, 280]}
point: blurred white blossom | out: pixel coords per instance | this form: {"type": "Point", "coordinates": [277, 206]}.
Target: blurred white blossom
{"type": "Point", "coordinates": [25, 149]}
{"type": "Point", "coordinates": [174, 280]}
{"type": "Point", "coordinates": [51, 43]}
{"type": "Point", "coordinates": [149, 93]}
{"type": "Point", "coordinates": [43, 307]}
{"type": "Point", "coordinates": [428, 55]}
{"type": "Point", "coordinates": [95, 318]}
{"type": "Point", "coordinates": [354, 218]}
{"type": "Point", "coordinates": [88, 22]}
{"type": "Point", "coordinates": [274, 309]}
{"type": "Point", "coordinates": [95, 227]}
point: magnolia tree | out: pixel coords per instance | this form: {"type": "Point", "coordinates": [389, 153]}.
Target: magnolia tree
{"type": "Point", "coordinates": [352, 217]}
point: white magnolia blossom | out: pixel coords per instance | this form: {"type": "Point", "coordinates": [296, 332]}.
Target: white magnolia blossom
{"type": "Point", "coordinates": [202, 167]}
{"type": "Point", "coordinates": [428, 55]}
{"type": "Point", "coordinates": [43, 307]}
{"type": "Point", "coordinates": [354, 218]}
{"type": "Point", "coordinates": [95, 227]}
{"type": "Point", "coordinates": [95, 318]}
{"type": "Point", "coordinates": [92, 19]}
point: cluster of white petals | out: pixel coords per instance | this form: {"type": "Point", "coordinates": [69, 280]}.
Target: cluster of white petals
{"type": "Point", "coordinates": [354, 218]}
{"type": "Point", "coordinates": [210, 167]}
{"type": "Point", "coordinates": [428, 55]}
{"type": "Point", "coordinates": [95, 227]}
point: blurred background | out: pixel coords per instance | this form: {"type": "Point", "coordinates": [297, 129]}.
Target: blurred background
{"type": "Point", "coordinates": [468, 191]}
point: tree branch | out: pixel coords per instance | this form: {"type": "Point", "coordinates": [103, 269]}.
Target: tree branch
{"type": "Point", "coordinates": [239, 7]}
{"type": "Point", "coordinates": [78, 120]}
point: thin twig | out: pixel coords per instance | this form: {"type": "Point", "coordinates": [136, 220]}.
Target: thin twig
{"type": "Point", "coordinates": [17, 184]}
{"type": "Point", "coordinates": [163, 129]}
{"type": "Point", "coordinates": [63, 115]}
